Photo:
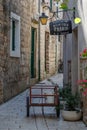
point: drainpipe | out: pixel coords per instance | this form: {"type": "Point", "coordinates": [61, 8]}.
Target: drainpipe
{"type": "Point", "coordinates": [39, 43]}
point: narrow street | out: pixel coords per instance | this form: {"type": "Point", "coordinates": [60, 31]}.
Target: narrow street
{"type": "Point", "coordinates": [13, 114]}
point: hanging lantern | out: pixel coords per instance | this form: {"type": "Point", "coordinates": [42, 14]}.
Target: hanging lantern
{"type": "Point", "coordinates": [43, 19]}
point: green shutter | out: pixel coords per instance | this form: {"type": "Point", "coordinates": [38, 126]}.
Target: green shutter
{"type": "Point", "coordinates": [32, 51]}
{"type": "Point", "coordinates": [51, 4]}
{"type": "Point", "coordinates": [13, 35]}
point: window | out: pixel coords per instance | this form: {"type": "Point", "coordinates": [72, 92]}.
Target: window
{"type": "Point", "coordinates": [69, 71]}
{"type": "Point", "coordinates": [15, 35]}
{"type": "Point", "coordinates": [33, 51]}
{"type": "Point", "coordinates": [51, 4]}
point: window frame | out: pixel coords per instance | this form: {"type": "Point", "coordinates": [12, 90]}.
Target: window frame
{"type": "Point", "coordinates": [51, 2]}
{"type": "Point", "coordinates": [15, 35]}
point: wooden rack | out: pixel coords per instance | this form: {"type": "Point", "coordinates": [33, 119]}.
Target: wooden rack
{"type": "Point", "coordinates": [42, 96]}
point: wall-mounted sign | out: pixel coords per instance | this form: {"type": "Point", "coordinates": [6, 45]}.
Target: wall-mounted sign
{"type": "Point", "coordinates": [60, 27]}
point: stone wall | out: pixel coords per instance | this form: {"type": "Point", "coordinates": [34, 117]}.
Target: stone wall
{"type": "Point", "coordinates": [1, 51]}
{"type": "Point", "coordinates": [85, 109]}
{"type": "Point", "coordinates": [52, 55]}
{"type": "Point", "coordinates": [35, 25]}
{"type": "Point", "coordinates": [16, 70]}
{"type": "Point", "coordinates": [51, 49]}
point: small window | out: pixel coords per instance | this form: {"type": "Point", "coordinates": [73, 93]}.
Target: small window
{"type": "Point", "coordinates": [15, 36]}
{"type": "Point", "coordinates": [51, 4]}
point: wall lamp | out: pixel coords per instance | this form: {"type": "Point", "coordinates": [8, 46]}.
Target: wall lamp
{"type": "Point", "coordinates": [43, 18]}
{"type": "Point", "coordinates": [60, 26]}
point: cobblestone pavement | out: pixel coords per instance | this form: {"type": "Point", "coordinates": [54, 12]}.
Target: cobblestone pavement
{"type": "Point", "coordinates": [13, 115]}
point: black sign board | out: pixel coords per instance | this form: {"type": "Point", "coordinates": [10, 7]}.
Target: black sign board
{"type": "Point", "coordinates": [60, 27]}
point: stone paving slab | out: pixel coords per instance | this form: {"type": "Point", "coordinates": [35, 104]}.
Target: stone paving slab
{"type": "Point", "coordinates": [13, 117]}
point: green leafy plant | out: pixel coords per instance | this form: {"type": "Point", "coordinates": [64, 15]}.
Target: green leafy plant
{"type": "Point", "coordinates": [64, 6]}
{"type": "Point", "coordinates": [63, 92]}
{"type": "Point", "coordinates": [72, 101]}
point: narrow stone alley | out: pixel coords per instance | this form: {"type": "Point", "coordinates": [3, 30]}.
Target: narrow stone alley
{"type": "Point", "coordinates": [13, 114]}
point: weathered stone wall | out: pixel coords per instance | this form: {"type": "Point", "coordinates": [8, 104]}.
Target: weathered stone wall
{"type": "Point", "coordinates": [52, 50]}
{"type": "Point", "coordinates": [52, 55]}
{"type": "Point", "coordinates": [35, 25]}
{"type": "Point", "coordinates": [16, 70]}
{"type": "Point", "coordinates": [1, 51]}
{"type": "Point", "coordinates": [85, 109]}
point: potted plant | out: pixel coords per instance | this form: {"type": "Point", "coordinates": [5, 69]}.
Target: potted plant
{"type": "Point", "coordinates": [62, 92]}
{"type": "Point", "coordinates": [71, 106]}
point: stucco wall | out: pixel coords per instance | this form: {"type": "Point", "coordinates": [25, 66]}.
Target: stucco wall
{"type": "Point", "coordinates": [79, 42]}
{"type": "Point", "coordinates": [82, 36]}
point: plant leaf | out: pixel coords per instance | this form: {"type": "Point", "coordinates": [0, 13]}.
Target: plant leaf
{"type": "Point", "coordinates": [57, 0]}
{"type": "Point", "coordinates": [66, 1]}
{"type": "Point", "coordinates": [63, 6]}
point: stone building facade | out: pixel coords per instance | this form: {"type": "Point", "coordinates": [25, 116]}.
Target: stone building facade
{"type": "Point", "coordinates": [14, 55]}
{"type": "Point", "coordinates": [1, 51]}
{"type": "Point", "coordinates": [50, 46]}
{"type": "Point", "coordinates": [27, 51]}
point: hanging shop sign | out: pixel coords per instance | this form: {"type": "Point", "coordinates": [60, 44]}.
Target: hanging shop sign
{"type": "Point", "coordinates": [60, 27]}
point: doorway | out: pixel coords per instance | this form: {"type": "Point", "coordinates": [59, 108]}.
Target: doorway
{"type": "Point", "coordinates": [47, 52]}
{"type": "Point", "coordinates": [74, 59]}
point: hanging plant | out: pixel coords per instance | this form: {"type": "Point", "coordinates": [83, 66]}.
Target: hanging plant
{"type": "Point", "coordinates": [57, 0]}
{"type": "Point", "coordinates": [63, 6]}
{"type": "Point", "coordinates": [63, 1]}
